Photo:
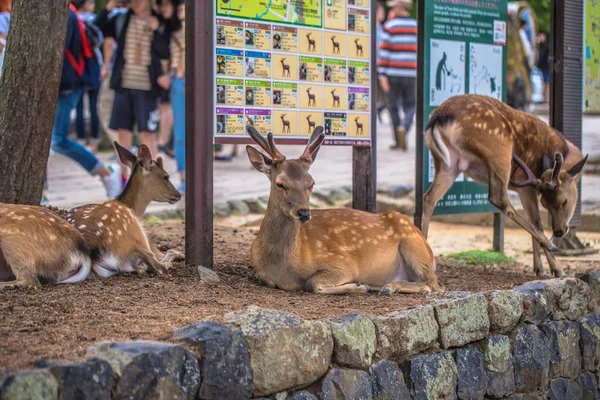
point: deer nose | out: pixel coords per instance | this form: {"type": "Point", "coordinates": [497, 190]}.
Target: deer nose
{"type": "Point", "coordinates": [559, 234]}
{"type": "Point", "coordinates": [304, 215]}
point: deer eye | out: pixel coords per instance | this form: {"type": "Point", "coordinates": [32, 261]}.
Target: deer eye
{"type": "Point", "coordinates": [280, 186]}
{"type": "Point", "coordinates": [311, 187]}
{"type": "Point", "coordinates": [166, 177]}
{"type": "Point", "coordinates": [564, 204]}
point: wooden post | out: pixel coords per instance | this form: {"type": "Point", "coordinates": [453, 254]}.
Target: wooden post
{"type": "Point", "coordinates": [499, 232]}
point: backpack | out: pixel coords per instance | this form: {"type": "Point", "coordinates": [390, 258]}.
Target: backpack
{"type": "Point", "coordinates": [94, 35]}
{"type": "Point", "coordinates": [88, 68]}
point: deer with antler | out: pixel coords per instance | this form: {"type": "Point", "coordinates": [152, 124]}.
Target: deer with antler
{"type": "Point", "coordinates": [336, 99]}
{"type": "Point", "coordinates": [336, 45]}
{"type": "Point", "coordinates": [312, 44]}
{"type": "Point", "coordinates": [312, 98]}
{"type": "Point", "coordinates": [286, 124]}
{"type": "Point", "coordinates": [311, 124]}
{"type": "Point", "coordinates": [359, 126]}
{"type": "Point", "coordinates": [331, 251]}
{"type": "Point", "coordinates": [286, 68]}
{"type": "Point", "coordinates": [359, 48]}
{"type": "Point", "coordinates": [506, 149]}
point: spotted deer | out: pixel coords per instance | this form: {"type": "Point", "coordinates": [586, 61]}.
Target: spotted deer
{"type": "Point", "coordinates": [312, 98]}
{"type": "Point", "coordinates": [286, 124]}
{"type": "Point", "coordinates": [336, 45]}
{"type": "Point", "coordinates": [312, 45]}
{"type": "Point", "coordinates": [112, 230]}
{"type": "Point", "coordinates": [359, 126]}
{"type": "Point", "coordinates": [331, 251]}
{"type": "Point", "coordinates": [286, 68]}
{"type": "Point", "coordinates": [359, 48]}
{"type": "Point", "coordinates": [311, 124]}
{"type": "Point", "coordinates": [336, 98]}
{"type": "Point", "coordinates": [480, 136]}
{"type": "Point", "coordinates": [35, 243]}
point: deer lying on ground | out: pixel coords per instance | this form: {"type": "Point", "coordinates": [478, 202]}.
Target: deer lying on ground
{"type": "Point", "coordinates": [112, 231]}
{"type": "Point", "coordinates": [479, 136]}
{"type": "Point", "coordinates": [35, 243]}
{"type": "Point", "coordinates": [336, 251]}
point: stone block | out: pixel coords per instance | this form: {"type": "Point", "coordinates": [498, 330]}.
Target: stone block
{"type": "Point", "coordinates": [462, 320]}
{"type": "Point", "coordinates": [303, 395]}
{"type": "Point", "coordinates": [222, 210]}
{"type": "Point", "coordinates": [433, 376]}
{"type": "Point", "coordinates": [400, 191]}
{"type": "Point", "coordinates": [324, 196]}
{"type": "Point", "coordinates": [388, 382]}
{"type": "Point", "coordinates": [572, 298]}
{"type": "Point", "coordinates": [590, 341]}
{"type": "Point", "coordinates": [592, 278]}
{"type": "Point", "coordinates": [29, 385]}
{"type": "Point", "coordinates": [339, 194]}
{"type": "Point", "coordinates": [285, 351]}
{"type": "Point", "coordinates": [498, 363]}
{"type": "Point", "coordinates": [346, 384]}
{"type": "Point", "coordinates": [354, 340]}
{"type": "Point", "coordinates": [565, 356]}
{"type": "Point", "coordinates": [472, 379]}
{"type": "Point", "coordinates": [404, 333]}
{"type": "Point", "coordinates": [207, 275]}
{"type": "Point", "coordinates": [504, 310]}
{"type": "Point", "coordinates": [256, 206]}
{"type": "Point", "coordinates": [224, 359]}
{"type": "Point", "coordinates": [150, 369]}
{"type": "Point", "coordinates": [537, 302]}
{"type": "Point", "coordinates": [239, 207]}
{"type": "Point", "coordinates": [589, 386]}
{"type": "Point", "coordinates": [563, 389]}
{"type": "Point", "coordinates": [531, 352]}
{"type": "Point", "coordinates": [404, 206]}
{"type": "Point", "coordinates": [90, 380]}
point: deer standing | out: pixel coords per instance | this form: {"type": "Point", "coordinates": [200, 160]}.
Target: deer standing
{"type": "Point", "coordinates": [311, 43]}
{"type": "Point", "coordinates": [311, 124]}
{"type": "Point", "coordinates": [286, 67]}
{"type": "Point", "coordinates": [336, 45]}
{"type": "Point", "coordinates": [336, 251]}
{"type": "Point", "coordinates": [286, 124]}
{"type": "Point", "coordinates": [36, 243]}
{"type": "Point", "coordinates": [336, 98]}
{"type": "Point", "coordinates": [359, 48]}
{"type": "Point", "coordinates": [312, 98]}
{"type": "Point", "coordinates": [112, 230]}
{"type": "Point", "coordinates": [479, 136]}
{"type": "Point", "coordinates": [359, 126]}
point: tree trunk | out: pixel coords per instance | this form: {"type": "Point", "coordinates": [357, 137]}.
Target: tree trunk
{"type": "Point", "coordinates": [28, 94]}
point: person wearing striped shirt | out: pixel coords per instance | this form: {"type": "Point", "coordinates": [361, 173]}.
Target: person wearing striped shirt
{"type": "Point", "coordinates": [397, 68]}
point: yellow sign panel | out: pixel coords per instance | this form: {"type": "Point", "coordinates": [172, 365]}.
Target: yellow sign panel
{"type": "Point", "coordinates": [285, 67]}
{"type": "Point", "coordinates": [359, 3]}
{"type": "Point", "coordinates": [335, 97]}
{"type": "Point", "coordinates": [230, 121]}
{"type": "Point", "coordinates": [258, 36]}
{"type": "Point", "coordinates": [259, 119]}
{"type": "Point", "coordinates": [335, 124]}
{"type": "Point", "coordinates": [335, 44]}
{"type": "Point", "coordinates": [258, 64]}
{"type": "Point", "coordinates": [358, 99]}
{"type": "Point", "coordinates": [285, 39]}
{"type": "Point", "coordinates": [358, 73]}
{"type": "Point", "coordinates": [230, 62]}
{"type": "Point", "coordinates": [591, 85]}
{"type": "Point", "coordinates": [310, 69]}
{"type": "Point", "coordinates": [258, 93]}
{"type": "Point", "coordinates": [230, 92]}
{"type": "Point", "coordinates": [309, 121]}
{"type": "Point", "coordinates": [358, 21]}
{"type": "Point", "coordinates": [230, 33]}
{"type": "Point", "coordinates": [311, 41]}
{"type": "Point", "coordinates": [335, 15]}
{"type": "Point", "coordinates": [311, 96]}
{"type": "Point", "coordinates": [285, 94]}
{"type": "Point", "coordinates": [335, 71]}
{"type": "Point", "coordinates": [285, 123]}
{"type": "Point", "coordinates": [358, 125]}
{"type": "Point", "coordinates": [358, 47]}
{"type": "Point", "coordinates": [297, 12]}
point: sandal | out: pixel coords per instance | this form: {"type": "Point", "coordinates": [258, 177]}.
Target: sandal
{"type": "Point", "coordinates": [168, 152]}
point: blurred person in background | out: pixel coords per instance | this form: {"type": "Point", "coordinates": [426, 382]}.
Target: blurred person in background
{"type": "Point", "coordinates": [380, 19]}
{"type": "Point", "coordinates": [543, 63]}
{"type": "Point", "coordinates": [5, 8]}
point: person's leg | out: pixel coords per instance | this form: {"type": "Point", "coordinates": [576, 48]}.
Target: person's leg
{"type": "Point", "coordinates": [121, 120]}
{"type": "Point", "coordinates": [178, 104]}
{"type": "Point", "coordinates": [166, 124]}
{"type": "Point", "coordinates": [409, 97]}
{"type": "Point", "coordinates": [93, 95]}
{"type": "Point", "coordinates": [395, 103]}
{"type": "Point", "coordinates": [146, 118]}
{"type": "Point", "coordinates": [80, 121]}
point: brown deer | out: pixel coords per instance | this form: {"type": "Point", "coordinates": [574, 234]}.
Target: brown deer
{"type": "Point", "coordinates": [359, 48]}
{"type": "Point", "coordinates": [311, 124]}
{"type": "Point", "coordinates": [286, 68]}
{"type": "Point", "coordinates": [336, 99]}
{"type": "Point", "coordinates": [359, 126]}
{"type": "Point", "coordinates": [35, 243]}
{"type": "Point", "coordinates": [286, 124]}
{"type": "Point", "coordinates": [336, 45]}
{"type": "Point", "coordinates": [112, 230]}
{"type": "Point", "coordinates": [331, 251]}
{"type": "Point", "coordinates": [311, 43]}
{"type": "Point", "coordinates": [480, 136]}
{"type": "Point", "coordinates": [312, 98]}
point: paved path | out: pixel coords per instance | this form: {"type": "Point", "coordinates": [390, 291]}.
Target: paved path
{"type": "Point", "coordinates": [69, 185]}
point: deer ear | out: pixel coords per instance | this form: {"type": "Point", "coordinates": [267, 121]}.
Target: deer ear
{"type": "Point", "coordinates": [125, 156]}
{"type": "Point", "coordinates": [159, 162]}
{"type": "Point", "coordinates": [259, 161]}
{"type": "Point", "coordinates": [144, 156]}
{"type": "Point", "coordinates": [577, 168]}
{"type": "Point", "coordinates": [547, 162]}
{"type": "Point", "coordinates": [316, 135]}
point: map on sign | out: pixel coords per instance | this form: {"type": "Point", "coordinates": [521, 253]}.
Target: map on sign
{"type": "Point", "coordinates": [282, 11]}
{"type": "Point", "coordinates": [288, 66]}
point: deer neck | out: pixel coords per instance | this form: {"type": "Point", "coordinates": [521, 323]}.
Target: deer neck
{"type": "Point", "coordinates": [278, 235]}
{"type": "Point", "coordinates": [134, 195]}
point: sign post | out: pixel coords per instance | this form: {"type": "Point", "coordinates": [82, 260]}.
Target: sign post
{"type": "Point", "coordinates": [461, 49]}
{"type": "Point", "coordinates": [284, 67]}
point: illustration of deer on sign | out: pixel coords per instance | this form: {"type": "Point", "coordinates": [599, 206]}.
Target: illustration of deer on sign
{"type": "Point", "coordinates": [286, 124]}
{"type": "Point", "coordinates": [336, 99]}
{"type": "Point", "coordinates": [312, 98]}
{"type": "Point", "coordinates": [336, 45]}
{"type": "Point", "coordinates": [359, 48]}
{"type": "Point", "coordinates": [286, 68]}
{"type": "Point", "coordinates": [311, 124]}
{"type": "Point", "coordinates": [359, 127]}
{"type": "Point", "coordinates": [312, 44]}
{"type": "Point", "coordinates": [250, 121]}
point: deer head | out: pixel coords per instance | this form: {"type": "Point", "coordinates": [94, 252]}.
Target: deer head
{"type": "Point", "coordinates": [283, 59]}
{"type": "Point", "coordinates": [333, 92]}
{"type": "Point", "coordinates": [291, 183]}
{"type": "Point", "coordinates": [557, 189]}
{"type": "Point", "coordinates": [148, 176]}
{"type": "Point", "coordinates": [308, 35]}
{"type": "Point", "coordinates": [282, 115]}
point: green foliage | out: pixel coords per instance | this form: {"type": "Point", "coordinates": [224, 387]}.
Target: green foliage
{"type": "Point", "coordinates": [479, 257]}
{"type": "Point", "coordinates": [542, 10]}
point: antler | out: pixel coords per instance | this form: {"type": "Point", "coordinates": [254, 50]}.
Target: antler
{"type": "Point", "coordinates": [558, 162]}
{"type": "Point", "coordinates": [314, 143]}
{"type": "Point", "coordinates": [269, 147]}
{"type": "Point", "coordinates": [531, 180]}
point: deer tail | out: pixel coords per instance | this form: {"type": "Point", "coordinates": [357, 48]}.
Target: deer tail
{"type": "Point", "coordinates": [433, 138]}
{"type": "Point", "coordinates": [85, 266]}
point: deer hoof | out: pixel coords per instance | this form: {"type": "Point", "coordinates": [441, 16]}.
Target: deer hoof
{"type": "Point", "coordinates": [386, 292]}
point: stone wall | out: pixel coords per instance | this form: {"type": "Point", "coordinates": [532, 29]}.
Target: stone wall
{"type": "Point", "coordinates": [540, 340]}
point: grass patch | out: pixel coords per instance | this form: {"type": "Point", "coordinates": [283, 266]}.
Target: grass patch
{"type": "Point", "coordinates": [482, 257]}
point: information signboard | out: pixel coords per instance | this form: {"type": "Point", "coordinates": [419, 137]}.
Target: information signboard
{"type": "Point", "coordinates": [286, 66]}
{"type": "Point", "coordinates": [463, 51]}
{"type": "Point", "coordinates": [591, 86]}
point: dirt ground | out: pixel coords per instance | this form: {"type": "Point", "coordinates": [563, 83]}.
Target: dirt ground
{"type": "Point", "coordinates": [61, 322]}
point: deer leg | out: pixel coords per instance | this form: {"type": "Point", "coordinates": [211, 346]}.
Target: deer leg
{"type": "Point", "coordinates": [498, 197]}
{"type": "Point", "coordinates": [153, 263]}
{"type": "Point", "coordinates": [331, 280]}
{"type": "Point", "coordinates": [405, 287]}
{"type": "Point", "coordinates": [442, 182]}
{"type": "Point", "coordinates": [172, 255]}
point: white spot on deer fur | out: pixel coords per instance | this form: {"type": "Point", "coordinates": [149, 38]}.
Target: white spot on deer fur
{"type": "Point", "coordinates": [52, 237]}
{"type": "Point", "coordinates": [104, 217]}
{"type": "Point", "coordinates": [108, 205]}
{"type": "Point", "coordinates": [82, 227]}
{"type": "Point", "coordinates": [318, 244]}
{"type": "Point", "coordinates": [100, 224]}
{"type": "Point", "coordinates": [119, 232]}
{"type": "Point", "coordinates": [99, 232]}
